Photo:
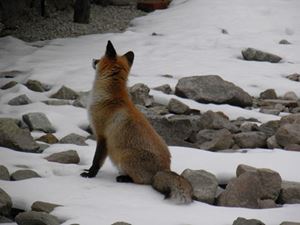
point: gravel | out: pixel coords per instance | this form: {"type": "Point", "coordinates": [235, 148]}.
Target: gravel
{"type": "Point", "coordinates": [32, 27]}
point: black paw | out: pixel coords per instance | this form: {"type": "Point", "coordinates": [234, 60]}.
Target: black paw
{"type": "Point", "coordinates": [124, 179]}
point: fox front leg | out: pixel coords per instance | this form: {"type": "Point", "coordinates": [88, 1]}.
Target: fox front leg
{"type": "Point", "coordinates": [99, 158]}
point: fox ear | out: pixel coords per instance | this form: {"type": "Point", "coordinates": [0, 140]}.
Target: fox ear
{"type": "Point", "coordinates": [130, 57]}
{"type": "Point", "coordinates": [110, 51]}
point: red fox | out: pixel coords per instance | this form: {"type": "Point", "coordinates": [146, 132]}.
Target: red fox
{"type": "Point", "coordinates": [125, 135]}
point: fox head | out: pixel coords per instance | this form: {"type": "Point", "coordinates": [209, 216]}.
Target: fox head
{"type": "Point", "coordinates": [112, 64]}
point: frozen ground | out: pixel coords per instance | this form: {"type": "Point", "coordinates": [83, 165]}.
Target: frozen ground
{"type": "Point", "coordinates": [189, 41]}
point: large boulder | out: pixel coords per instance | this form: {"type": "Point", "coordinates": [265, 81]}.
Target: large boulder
{"type": "Point", "coordinates": [290, 193]}
{"type": "Point", "coordinates": [36, 218]}
{"type": "Point", "coordinates": [288, 134]}
{"type": "Point", "coordinates": [5, 203]}
{"type": "Point", "coordinates": [212, 89]}
{"type": "Point", "coordinates": [11, 136]}
{"type": "Point", "coordinates": [253, 139]}
{"type": "Point", "coordinates": [38, 121]}
{"type": "Point", "coordinates": [204, 185]}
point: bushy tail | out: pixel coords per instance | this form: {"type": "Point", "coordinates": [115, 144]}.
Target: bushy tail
{"type": "Point", "coordinates": [173, 186]}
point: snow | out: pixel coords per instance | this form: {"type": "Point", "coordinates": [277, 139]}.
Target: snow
{"type": "Point", "coordinates": [189, 42]}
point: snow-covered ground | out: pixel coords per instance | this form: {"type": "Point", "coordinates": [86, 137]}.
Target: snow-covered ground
{"type": "Point", "coordinates": [189, 41]}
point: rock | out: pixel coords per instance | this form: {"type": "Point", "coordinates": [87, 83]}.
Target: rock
{"type": "Point", "coordinates": [214, 140]}
{"type": "Point", "coordinates": [20, 100]}
{"type": "Point", "coordinates": [65, 93]}
{"type": "Point", "coordinates": [293, 147]}
{"type": "Point", "coordinates": [290, 193]}
{"type": "Point", "coordinates": [290, 96]}
{"type": "Point", "coordinates": [5, 220]}
{"type": "Point", "coordinates": [140, 95]}
{"type": "Point", "coordinates": [284, 42]}
{"type": "Point", "coordinates": [58, 102]}
{"type": "Point", "coordinates": [177, 107]}
{"type": "Point", "coordinates": [290, 223]}
{"type": "Point", "coordinates": [35, 85]}
{"type": "Point", "coordinates": [124, 223]}
{"type": "Point", "coordinates": [48, 138]}
{"type": "Point", "coordinates": [269, 128]}
{"type": "Point", "coordinates": [165, 88]}
{"type": "Point", "coordinates": [275, 112]}
{"type": "Point", "coordinates": [272, 143]}
{"type": "Point", "coordinates": [4, 174]}
{"type": "Point", "coordinates": [267, 204]}
{"type": "Point", "coordinates": [5, 203]}
{"type": "Point", "coordinates": [159, 110]}
{"type": "Point", "coordinates": [295, 110]}
{"type": "Point", "coordinates": [23, 174]}
{"type": "Point", "coordinates": [288, 134]}
{"type": "Point", "coordinates": [42, 147]}
{"type": "Point", "coordinates": [244, 191]}
{"type": "Point", "coordinates": [212, 89]}
{"type": "Point", "coordinates": [268, 94]}
{"type": "Point", "coordinates": [73, 139]}
{"type": "Point", "coordinates": [38, 121]}
{"type": "Point", "coordinates": [243, 221]}
{"type": "Point", "coordinates": [254, 139]}
{"type": "Point", "coordinates": [248, 126]}
{"type": "Point", "coordinates": [174, 129]}
{"type": "Point", "coordinates": [66, 157]}
{"type": "Point", "coordinates": [274, 102]}
{"type": "Point", "coordinates": [11, 136]}
{"type": "Point", "coordinates": [36, 218]}
{"type": "Point", "coordinates": [294, 77]}
{"type": "Point", "coordinates": [257, 55]}
{"type": "Point", "coordinates": [290, 119]}
{"type": "Point", "coordinates": [9, 85]}
{"type": "Point", "coordinates": [270, 180]}
{"type": "Point", "coordinates": [47, 207]}
{"type": "Point", "coordinates": [82, 100]}
{"type": "Point", "coordinates": [212, 120]}
{"type": "Point", "coordinates": [204, 185]}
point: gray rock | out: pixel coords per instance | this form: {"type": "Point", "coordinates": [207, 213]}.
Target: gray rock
{"type": "Point", "coordinates": [140, 95]}
{"type": "Point", "coordinates": [294, 77]}
{"type": "Point", "coordinates": [177, 107]}
{"type": "Point", "coordinates": [290, 96]}
{"type": "Point", "coordinates": [58, 102]}
{"type": "Point", "coordinates": [244, 191]}
{"type": "Point", "coordinates": [295, 110]}
{"type": "Point", "coordinates": [23, 174]}
{"type": "Point", "coordinates": [65, 93]}
{"type": "Point", "coordinates": [124, 223]}
{"type": "Point", "coordinates": [267, 204]}
{"type": "Point", "coordinates": [215, 120]}
{"type": "Point", "coordinates": [42, 147]}
{"type": "Point", "coordinates": [35, 85]}
{"type": "Point", "coordinates": [48, 138]}
{"type": "Point", "coordinates": [38, 121]}
{"type": "Point", "coordinates": [293, 147]}
{"type": "Point", "coordinates": [243, 221]}
{"type": "Point", "coordinates": [284, 42]}
{"type": "Point", "coordinates": [5, 220]}
{"type": "Point", "coordinates": [9, 85]}
{"type": "Point", "coordinates": [290, 119]}
{"type": "Point", "coordinates": [204, 185]}
{"type": "Point", "coordinates": [165, 88]}
{"type": "Point", "coordinates": [214, 140]}
{"type": "Point", "coordinates": [272, 143]}
{"type": "Point", "coordinates": [269, 128]}
{"type": "Point", "coordinates": [289, 223]}
{"type": "Point", "coordinates": [66, 157]}
{"type": "Point", "coordinates": [20, 100]}
{"type": "Point", "coordinates": [273, 102]}
{"type": "Point", "coordinates": [174, 130]}
{"type": "Point", "coordinates": [73, 139]}
{"type": "Point", "coordinates": [248, 126]}
{"type": "Point", "coordinates": [290, 193]}
{"type": "Point", "coordinates": [4, 174]}
{"type": "Point", "coordinates": [268, 94]}
{"type": "Point", "coordinates": [254, 139]}
{"type": "Point", "coordinates": [159, 110]}
{"type": "Point", "coordinates": [5, 203]}
{"type": "Point", "coordinates": [11, 136]}
{"type": "Point", "coordinates": [212, 89]}
{"type": "Point", "coordinates": [275, 112]}
{"type": "Point", "coordinates": [36, 218]}
{"type": "Point", "coordinates": [288, 134]}
{"type": "Point", "coordinates": [270, 180]}
{"type": "Point", "coordinates": [257, 55]}
{"type": "Point", "coordinates": [46, 207]}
